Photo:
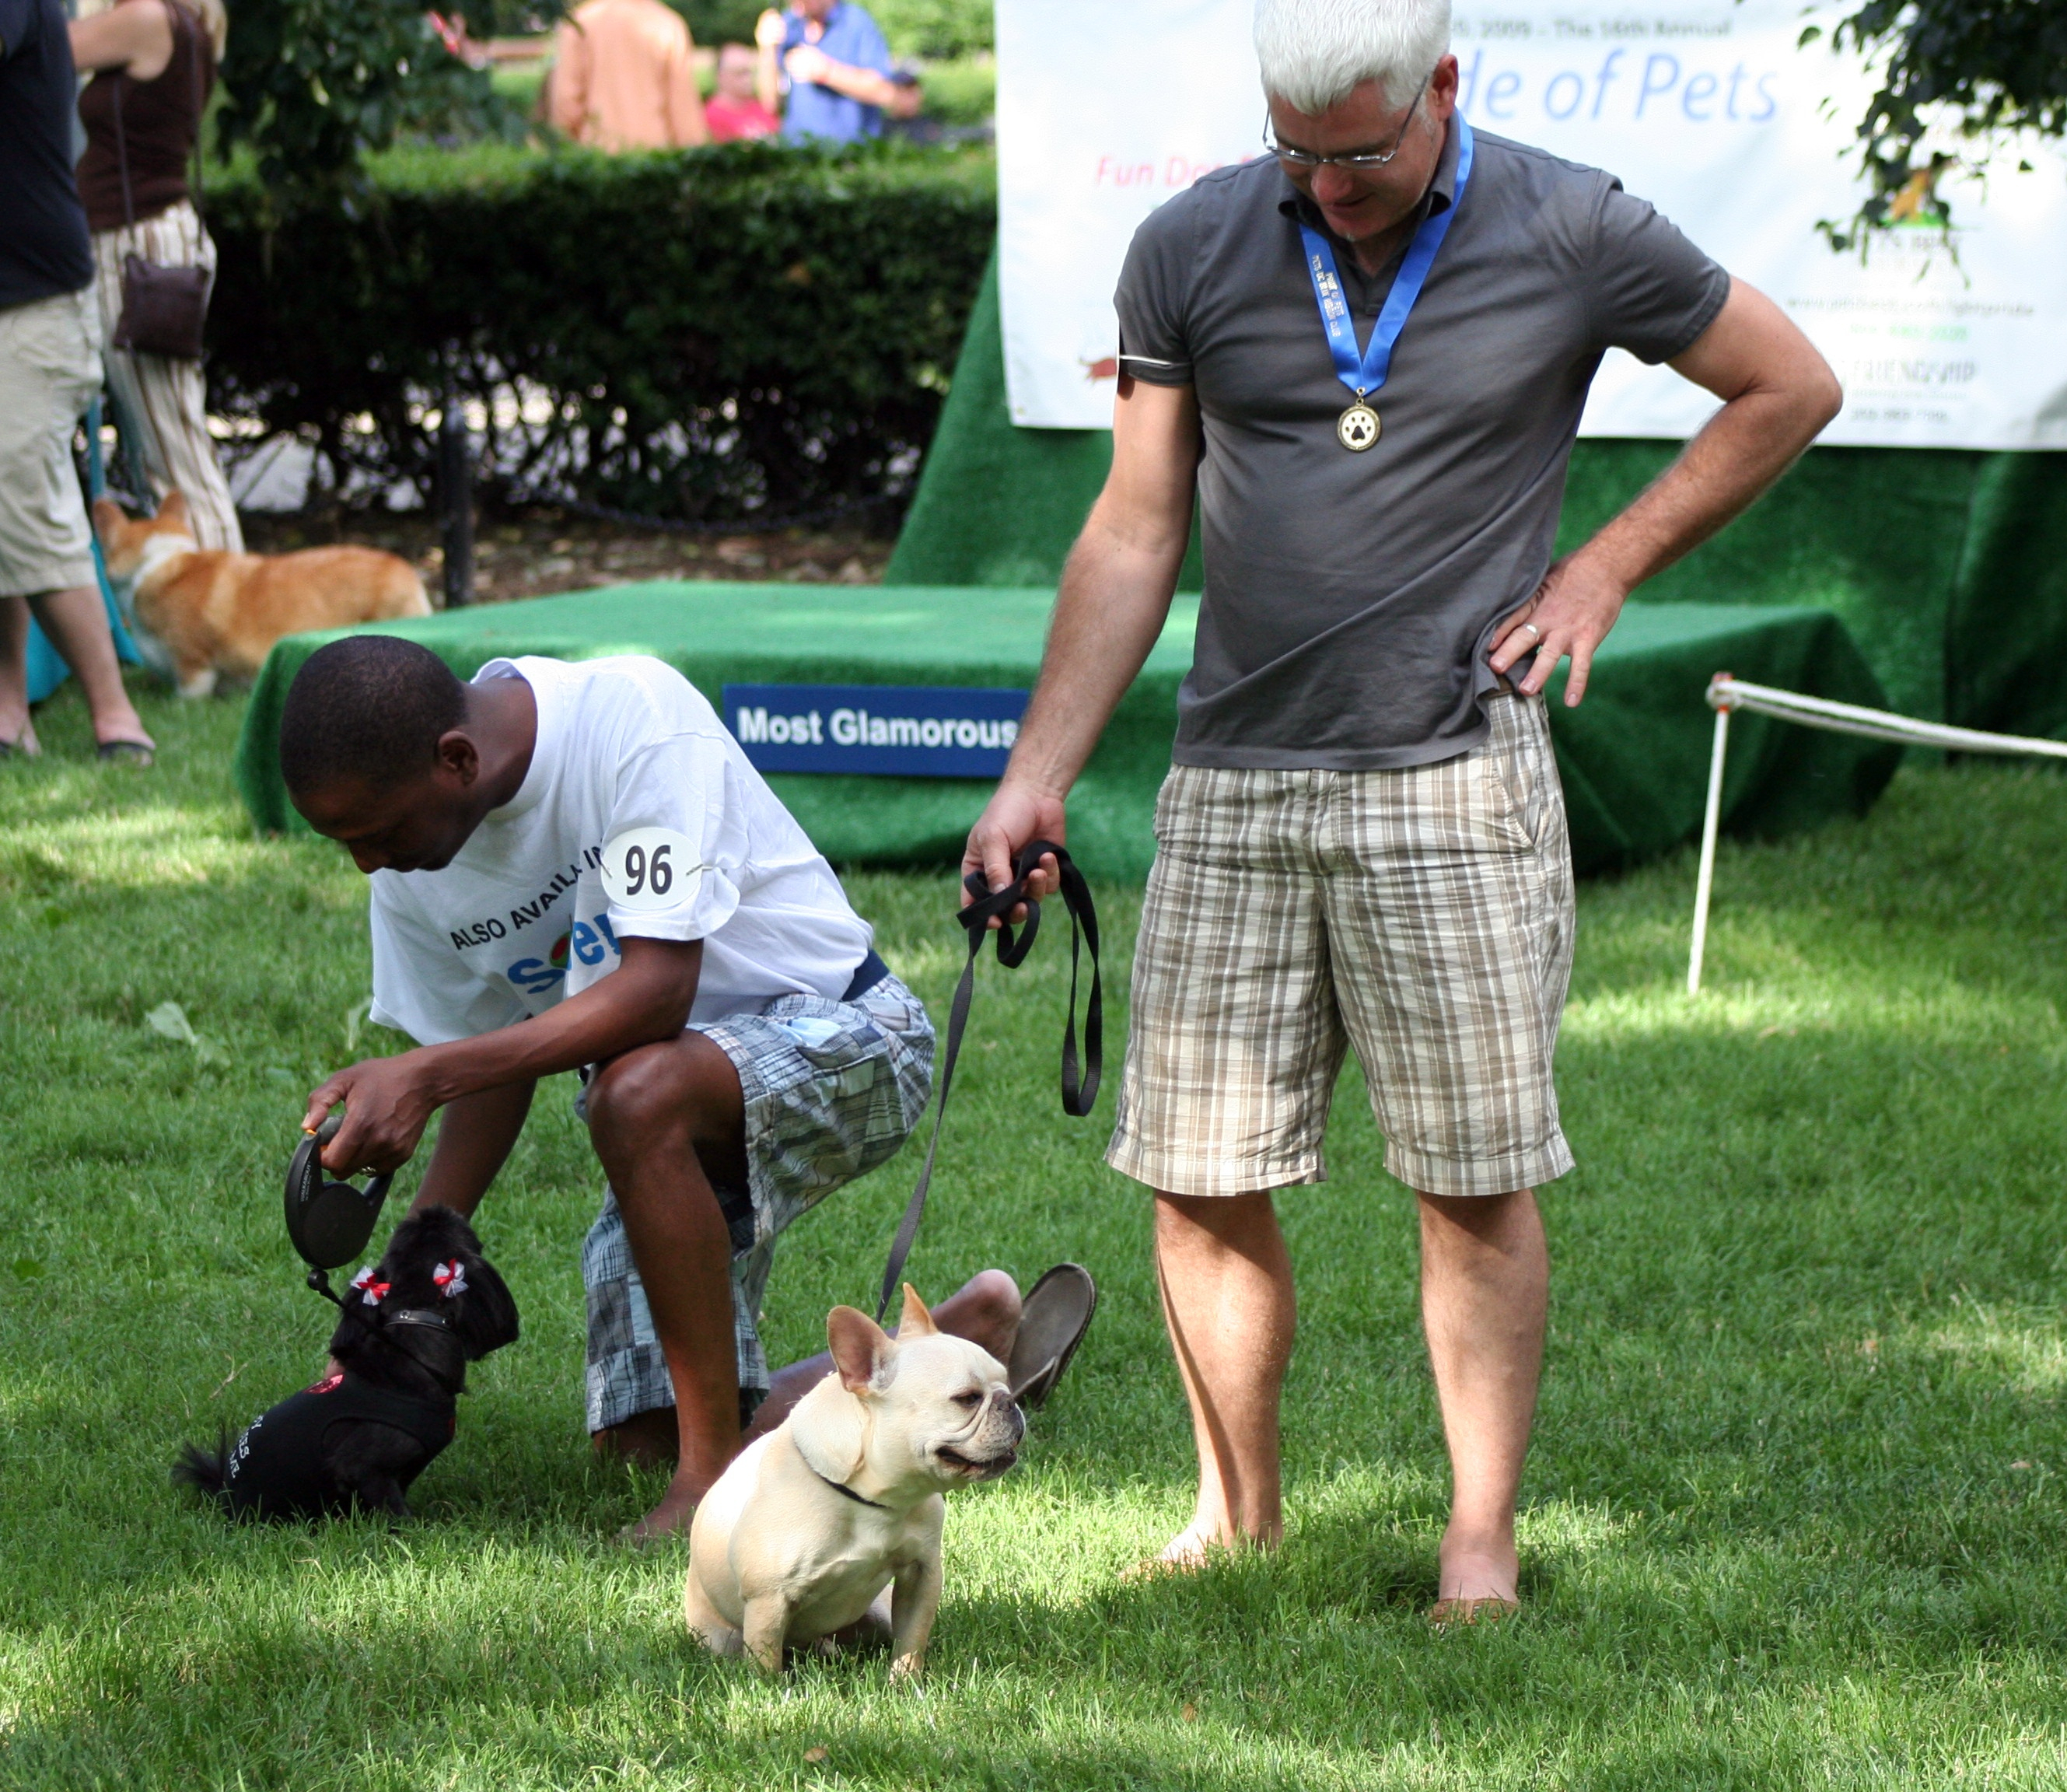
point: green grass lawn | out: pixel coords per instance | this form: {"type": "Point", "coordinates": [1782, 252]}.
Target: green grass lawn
{"type": "Point", "coordinates": [1794, 1516]}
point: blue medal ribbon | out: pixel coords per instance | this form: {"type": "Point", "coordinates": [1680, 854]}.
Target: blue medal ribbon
{"type": "Point", "coordinates": [1366, 373]}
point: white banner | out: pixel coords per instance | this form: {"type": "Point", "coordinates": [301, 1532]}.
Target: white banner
{"type": "Point", "coordinates": [1708, 108]}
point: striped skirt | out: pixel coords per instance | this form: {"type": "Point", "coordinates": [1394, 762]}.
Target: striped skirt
{"type": "Point", "coordinates": [161, 404]}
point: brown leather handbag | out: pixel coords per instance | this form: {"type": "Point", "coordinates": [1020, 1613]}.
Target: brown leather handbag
{"type": "Point", "coordinates": [163, 309]}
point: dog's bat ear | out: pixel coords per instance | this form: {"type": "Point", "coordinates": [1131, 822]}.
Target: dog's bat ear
{"type": "Point", "coordinates": [487, 1316]}
{"type": "Point", "coordinates": [859, 1346]}
{"type": "Point", "coordinates": [916, 1321]}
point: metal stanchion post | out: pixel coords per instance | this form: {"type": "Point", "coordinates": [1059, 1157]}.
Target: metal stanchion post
{"type": "Point", "coordinates": [456, 481]}
{"type": "Point", "coordinates": [1710, 824]}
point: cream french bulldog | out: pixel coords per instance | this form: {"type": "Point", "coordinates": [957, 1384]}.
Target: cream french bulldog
{"type": "Point", "coordinates": [836, 1513]}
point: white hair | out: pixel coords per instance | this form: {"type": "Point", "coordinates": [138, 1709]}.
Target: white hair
{"type": "Point", "coordinates": [1313, 52]}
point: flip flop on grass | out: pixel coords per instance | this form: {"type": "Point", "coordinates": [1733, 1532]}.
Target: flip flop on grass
{"type": "Point", "coordinates": [1053, 1320]}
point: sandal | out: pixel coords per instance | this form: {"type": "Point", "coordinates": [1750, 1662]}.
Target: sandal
{"type": "Point", "coordinates": [1053, 1320]}
{"type": "Point", "coordinates": [135, 753]}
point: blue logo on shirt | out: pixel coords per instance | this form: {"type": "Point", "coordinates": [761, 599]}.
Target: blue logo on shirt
{"type": "Point", "coordinates": [587, 941]}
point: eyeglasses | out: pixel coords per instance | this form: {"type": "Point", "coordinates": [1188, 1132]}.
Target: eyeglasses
{"type": "Point", "coordinates": [1306, 160]}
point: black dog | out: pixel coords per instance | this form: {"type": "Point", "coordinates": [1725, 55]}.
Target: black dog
{"type": "Point", "coordinates": [407, 1329]}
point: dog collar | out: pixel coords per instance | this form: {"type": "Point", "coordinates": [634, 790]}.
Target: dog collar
{"type": "Point", "coordinates": [395, 1326]}
{"type": "Point", "coordinates": [841, 1488]}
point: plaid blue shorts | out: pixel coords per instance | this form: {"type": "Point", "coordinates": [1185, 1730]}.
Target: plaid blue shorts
{"type": "Point", "coordinates": [832, 1088]}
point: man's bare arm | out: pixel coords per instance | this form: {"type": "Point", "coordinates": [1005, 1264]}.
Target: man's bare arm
{"type": "Point", "coordinates": [769, 31]}
{"type": "Point", "coordinates": [1777, 393]}
{"type": "Point", "coordinates": [389, 1101]}
{"type": "Point", "coordinates": [1115, 598]}
{"type": "Point", "coordinates": [808, 63]}
{"type": "Point", "coordinates": [475, 1139]}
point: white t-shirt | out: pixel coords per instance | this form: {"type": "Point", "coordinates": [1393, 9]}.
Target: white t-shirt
{"type": "Point", "coordinates": [632, 772]}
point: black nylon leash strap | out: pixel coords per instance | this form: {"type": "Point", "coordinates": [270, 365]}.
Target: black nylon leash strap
{"type": "Point", "coordinates": [1080, 1084]}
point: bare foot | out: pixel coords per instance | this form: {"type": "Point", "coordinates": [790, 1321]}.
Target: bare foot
{"type": "Point", "coordinates": [1477, 1582]}
{"type": "Point", "coordinates": [1195, 1546]}
{"type": "Point", "coordinates": [672, 1517]}
{"type": "Point", "coordinates": [1471, 1612]}
{"type": "Point", "coordinates": [651, 1439]}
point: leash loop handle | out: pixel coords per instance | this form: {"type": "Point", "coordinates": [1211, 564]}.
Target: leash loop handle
{"type": "Point", "coordinates": [1015, 940]}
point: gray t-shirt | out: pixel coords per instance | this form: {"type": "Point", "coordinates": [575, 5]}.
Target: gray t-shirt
{"type": "Point", "coordinates": [1350, 597]}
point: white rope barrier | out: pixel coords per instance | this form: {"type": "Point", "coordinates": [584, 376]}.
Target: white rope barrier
{"type": "Point", "coordinates": [1727, 694]}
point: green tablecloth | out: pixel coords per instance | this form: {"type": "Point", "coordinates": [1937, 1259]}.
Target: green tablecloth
{"type": "Point", "coordinates": [1634, 756]}
{"type": "Point", "coordinates": [1950, 568]}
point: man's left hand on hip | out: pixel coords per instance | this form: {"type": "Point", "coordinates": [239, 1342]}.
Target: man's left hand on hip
{"type": "Point", "coordinates": [1571, 613]}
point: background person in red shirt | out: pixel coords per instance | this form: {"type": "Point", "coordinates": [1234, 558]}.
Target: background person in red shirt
{"type": "Point", "coordinates": [735, 110]}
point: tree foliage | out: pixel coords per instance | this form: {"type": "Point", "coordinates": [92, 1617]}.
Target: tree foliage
{"type": "Point", "coordinates": [934, 29]}
{"type": "Point", "coordinates": [314, 86]}
{"type": "Point", "coordinates": [1984, 67]}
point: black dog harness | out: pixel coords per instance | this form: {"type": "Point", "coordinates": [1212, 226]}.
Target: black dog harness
{"type": "Point", "coordinates": [426, 1338]}
{"type": "Point", "coordinates": [275, 1469]}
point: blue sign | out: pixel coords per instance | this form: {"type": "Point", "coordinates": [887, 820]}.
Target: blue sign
{"type": "Point", "coordinates": [887, 730]}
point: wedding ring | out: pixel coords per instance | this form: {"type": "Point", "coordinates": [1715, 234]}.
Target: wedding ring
{"type": "Point", "coordinates": [1532, 628]}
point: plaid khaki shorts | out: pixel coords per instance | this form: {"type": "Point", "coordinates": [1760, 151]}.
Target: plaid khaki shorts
{"type": "Point", "coordinates": [1423, 915]}
{"type": "Point", "coordinates": [832, 1089]}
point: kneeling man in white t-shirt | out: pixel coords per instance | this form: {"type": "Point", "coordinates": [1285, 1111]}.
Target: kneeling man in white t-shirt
{"type": "Point", "coordinates": [574, 866]}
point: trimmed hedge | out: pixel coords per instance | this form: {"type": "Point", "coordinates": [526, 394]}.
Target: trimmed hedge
{"type": "Point", "coordinates": [710, 335]}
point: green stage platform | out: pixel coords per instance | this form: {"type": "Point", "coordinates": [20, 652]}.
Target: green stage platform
{"type": "Point", "coordinates": [1635, 756]}
{"type": "Point", "coordinates": [1949, 568]}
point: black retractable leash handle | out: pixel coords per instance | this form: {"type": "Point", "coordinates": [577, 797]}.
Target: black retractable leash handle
{"type": "Point", "coordinates": [1078, 1091]}
{"type": "Point", "coordinates": [329, 1222]}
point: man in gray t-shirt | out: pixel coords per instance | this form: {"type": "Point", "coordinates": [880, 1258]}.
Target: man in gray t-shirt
{"type": "Point", "coordinates": [1351, 597]}
{"type": "Point", "coordinates": [1366, 352]}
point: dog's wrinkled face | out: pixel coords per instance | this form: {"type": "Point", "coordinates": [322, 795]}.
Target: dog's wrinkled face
{"type": "Point", "coordinates": [930, 1409]}
{"type": "Point", "coordinates": [947, 1403]}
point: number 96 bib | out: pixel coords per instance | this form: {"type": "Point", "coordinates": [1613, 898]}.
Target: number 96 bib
{"type": "Point", "coordinates": [645, 869]}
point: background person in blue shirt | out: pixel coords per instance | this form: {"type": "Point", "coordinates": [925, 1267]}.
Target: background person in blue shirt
{"type": "Point", "coordinates": [842, 80]}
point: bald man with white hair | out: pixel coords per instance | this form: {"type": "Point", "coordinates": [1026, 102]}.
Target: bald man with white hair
{"type": "Point", "coordinates": [1364, 353]}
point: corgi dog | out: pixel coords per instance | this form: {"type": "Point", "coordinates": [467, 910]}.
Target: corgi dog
{"type": "Point", "coordinates": [198, 614]}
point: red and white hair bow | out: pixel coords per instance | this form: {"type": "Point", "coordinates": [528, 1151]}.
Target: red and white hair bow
{"type": "Point", "coordinates": [451, 1278]}
{"type": "Point", "coordinates": [370, 1291]}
